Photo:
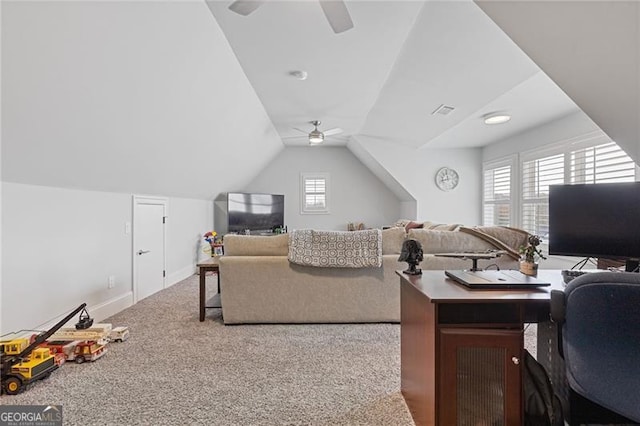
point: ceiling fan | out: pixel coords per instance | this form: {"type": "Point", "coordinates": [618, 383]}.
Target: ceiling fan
{"type": "Point", "coordinates": [316, 137]}
{"type": "Point", "coordinates": [335, 11]}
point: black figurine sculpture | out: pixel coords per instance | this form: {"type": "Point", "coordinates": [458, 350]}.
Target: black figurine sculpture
{"type": "Point", "coordinates": [412, 254]}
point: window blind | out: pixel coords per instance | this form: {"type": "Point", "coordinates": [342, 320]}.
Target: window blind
{"type": "Point", "coordinates": [497, 196]}
{"type": "Point", "coordinates": [605, 163]}
{"type": "Point", "coordinates": [537, 175]}
{"type": "Point", "coordinates": [315, 194]}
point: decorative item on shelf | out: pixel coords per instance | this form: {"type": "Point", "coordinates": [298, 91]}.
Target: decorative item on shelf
{"type": "Point", "coordinates": [217, 250]}
{"type": "Point", "coordinates": [412, 254]}
{"type": "Point", "coordinates": [357, 226]}
{"type": "Point", "coordinates": [215, 245]}
{"type": "Point", "coordinates": [529, 254]}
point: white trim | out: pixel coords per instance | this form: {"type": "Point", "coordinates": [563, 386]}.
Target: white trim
{"type": "Point", "coordinates": [111, 306]}
{"type": "Point", "coordinates": [585, 140]}
{"type": "Point", "coordinates": [327, 194]}
{"type": "Point", "coordinates": [98, 312]}
{"type": "Point", "coordinates": [514, 196]}
{"type": "Point", "coordinates": [138, 200]}
{"type": "Point", "coordinates": [181, 274]}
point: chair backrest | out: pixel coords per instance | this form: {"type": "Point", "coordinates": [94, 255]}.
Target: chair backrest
{"type": "Point", "coordinates": [601, 340]}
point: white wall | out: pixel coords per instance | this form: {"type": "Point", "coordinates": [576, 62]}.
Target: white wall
{"type": "Point", "coordinates": [187, 222]}
{"type": "Point", "coordinates": [556, 131]}
{"type": "Point", "coordinates": [591, 49]}
{"type": "Point", "coordinates": [563, 129]}
{"type": "Point", "coordinates": [139, 97]}
{"type": "Point", "coordinates": [59, 247]}
{"type": "Point", "coordinates": [415, 170]}
{"type": "Point", "coordinates": [356, 195]}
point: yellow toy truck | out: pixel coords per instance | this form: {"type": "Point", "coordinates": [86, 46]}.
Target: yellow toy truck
{"type": "Point", "coordinates": [23, 363]}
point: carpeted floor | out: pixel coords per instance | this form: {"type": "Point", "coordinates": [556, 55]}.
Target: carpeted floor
{"type": "Point", "coordinates": [175, 370]}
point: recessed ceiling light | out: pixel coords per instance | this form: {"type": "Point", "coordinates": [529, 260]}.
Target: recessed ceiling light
{"type": "Point", "coordinates": [496, 118]}
{"type": "Point", "coordinates": [299, 74]}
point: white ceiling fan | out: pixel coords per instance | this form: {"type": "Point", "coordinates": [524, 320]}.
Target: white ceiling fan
{"type": "Point", "coordinates": [335, 11]}
{"type": "Point", "coordinates": [315, 136]}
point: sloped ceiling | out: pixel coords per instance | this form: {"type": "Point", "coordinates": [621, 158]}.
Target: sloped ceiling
{"type": "Point", "coordinates": [160, 98]}
{"type": "Point", "coordinates": [141, 97]}
{"type": "Point", "coordinates": [386, 76]}
{"type": "Point", "coordinates": [589, 48]}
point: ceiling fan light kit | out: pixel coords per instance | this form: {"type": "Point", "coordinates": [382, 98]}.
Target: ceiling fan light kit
{"type": "Point", "coordinates": [335, 11]}
{"type": "Point", "coordinates": [315, 136]}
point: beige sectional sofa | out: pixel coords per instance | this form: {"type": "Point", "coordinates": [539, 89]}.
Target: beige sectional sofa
{"type": "Point", "coordinates": [260, 285]}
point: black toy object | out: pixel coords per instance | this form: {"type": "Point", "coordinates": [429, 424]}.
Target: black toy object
{"type": "Point", "coordinates": [412, 254]}
{"type": "Point", "coordinates": [85, 321]}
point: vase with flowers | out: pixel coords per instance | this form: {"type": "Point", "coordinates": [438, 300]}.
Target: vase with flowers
{"type": "Point", "coordinates": [529, 255]}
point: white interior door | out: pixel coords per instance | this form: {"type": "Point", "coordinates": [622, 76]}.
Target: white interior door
{"type": "Point", "coordinates": [148, 246]}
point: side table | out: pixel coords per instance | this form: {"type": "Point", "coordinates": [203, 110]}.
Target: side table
{"type": "Point", "coordinates": [210, 264]}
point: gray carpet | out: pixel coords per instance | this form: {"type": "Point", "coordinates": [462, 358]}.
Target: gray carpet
{"type": "Point", "coordinates": [175, 370]}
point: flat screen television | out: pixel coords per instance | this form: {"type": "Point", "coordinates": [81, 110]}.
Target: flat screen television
{"type": "Point", "coordinates": [255, 212]}
{"type": "Point", "coordinates": [596, 220]}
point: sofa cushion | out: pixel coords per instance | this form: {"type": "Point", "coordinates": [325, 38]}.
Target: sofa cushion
{"type": "Point", "coordinates": [440, 226]}
{"type": "Point", "coordinates": [256, 245]}
{"type": "Point", "coordinates": [448, 242]}
{"type": "Point", "coordinates": [392, 240]}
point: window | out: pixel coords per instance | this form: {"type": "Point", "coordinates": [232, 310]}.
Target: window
{"type": "Point", "coordinates": [497, 199]}
{"type": "Point", "coordinates": [524, 180]}
{"type": "Point", "coordinates": [605, 163]}
{"type": "Point", "coordinates": [314, 193]}
{"type": "Point", "coordinates": [572, 164]}
{"type": "Point", "coordinates": [537, 175]}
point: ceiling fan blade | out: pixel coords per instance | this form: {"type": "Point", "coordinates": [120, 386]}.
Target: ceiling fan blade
{"type": "Point", "coordinates": [337, 15]}
{"type": "Point", "coordinates": [245, 7]}
{"type": "Point", "coordinates": [334, 131]}
{"type": "Point", "coordinates": [306, 132]}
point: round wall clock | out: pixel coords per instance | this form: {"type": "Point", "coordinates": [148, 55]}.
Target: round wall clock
{"type": "Point", "coordinates": [447, 179]}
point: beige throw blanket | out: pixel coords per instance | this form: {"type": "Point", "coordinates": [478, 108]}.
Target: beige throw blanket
{"type": "Point", "coordinates": [501, 237]}
{"type": "Point", "coordinates": [336, 249]}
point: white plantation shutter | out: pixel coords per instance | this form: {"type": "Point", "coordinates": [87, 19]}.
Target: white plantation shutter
{"type": "Point", "coordinates": [314, 193]}
{"type": "Point", "coordinates": [606, 163]}
{"type": "Point", "coordinates": [537, 175]}
{"type": "Point", "coordinates": [602, 163]}
{"type": "Point", "coordinates": [497, 196]}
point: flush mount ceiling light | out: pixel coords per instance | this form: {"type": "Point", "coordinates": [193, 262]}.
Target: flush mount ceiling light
{"type": "Point", "coordinates": [496, 118]}
{"type": "Point", "coordinates": [299, 74]}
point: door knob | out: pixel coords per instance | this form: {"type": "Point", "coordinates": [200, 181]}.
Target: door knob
{"type": "Point", "coordinates": [140, 252]}
{"type": "Point", "coordinates": [515, 360]}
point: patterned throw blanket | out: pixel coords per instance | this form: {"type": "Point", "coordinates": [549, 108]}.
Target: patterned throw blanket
{"type": "Point", "coordinates": [336, 249]}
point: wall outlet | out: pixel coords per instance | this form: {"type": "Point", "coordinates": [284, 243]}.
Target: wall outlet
{"type": "Point", "coordinates": [127, 228]}
{"type": "Point", "coordinates": [111, 282]}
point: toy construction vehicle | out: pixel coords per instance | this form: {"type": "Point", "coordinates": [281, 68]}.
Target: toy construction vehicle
{"type": "Point", "coordinates": [24, 362]}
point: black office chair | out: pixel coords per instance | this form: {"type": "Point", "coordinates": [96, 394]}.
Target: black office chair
{"type": "Point", "coordinates": [599, 322]}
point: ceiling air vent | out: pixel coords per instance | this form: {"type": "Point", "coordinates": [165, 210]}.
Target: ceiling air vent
{"type": "Point", "coordinates": [443, 110]}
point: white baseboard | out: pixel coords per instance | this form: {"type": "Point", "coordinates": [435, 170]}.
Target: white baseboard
{"type": "Point", "coordinates": [111, 306]}
{"type": "Point", "coordinates": [180, 275]}
{"type": "Point", "coordinates": [98, 312]}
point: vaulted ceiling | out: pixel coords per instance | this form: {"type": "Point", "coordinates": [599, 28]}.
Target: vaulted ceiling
{"type": "Point", "coordinates": [385, 77]}
{"type": "Point", "coordinates": [178, 98]}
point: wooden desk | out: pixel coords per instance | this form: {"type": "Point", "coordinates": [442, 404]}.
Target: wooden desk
{"type": "Point", "coordinates": [210, 264]}
{"type": "Point", "coordinates": [461, 348]}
